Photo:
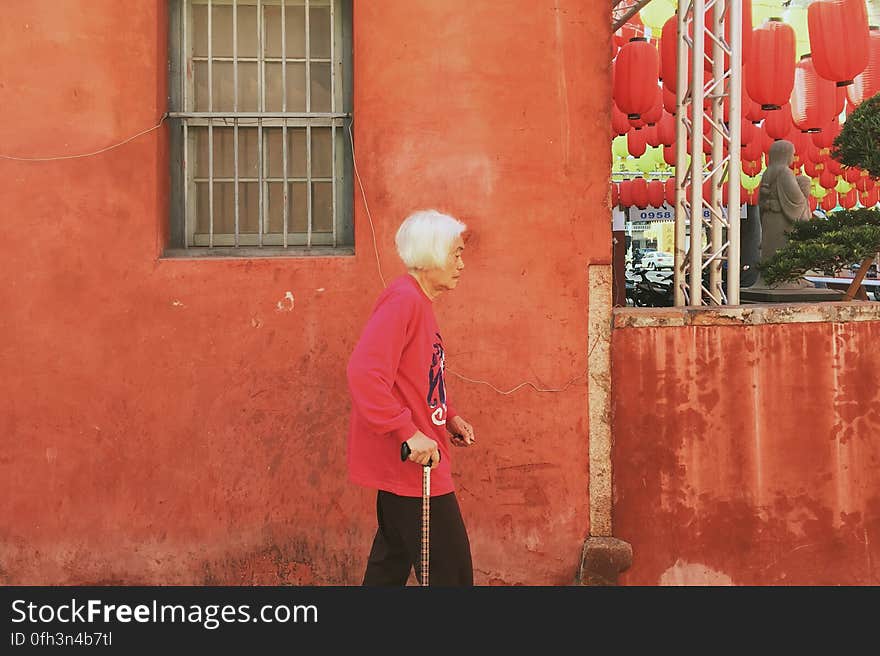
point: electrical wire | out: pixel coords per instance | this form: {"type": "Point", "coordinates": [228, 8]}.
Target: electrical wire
{"type": "Point", "coordinates": [366, 205]}
{"type": "Point", "coordinates": [96, 152]}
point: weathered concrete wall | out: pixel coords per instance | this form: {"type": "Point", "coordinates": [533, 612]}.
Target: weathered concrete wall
{"type": "Point", "coordinates": [748, 453]}
{"type": "Point", "coordinates": [180, 421]}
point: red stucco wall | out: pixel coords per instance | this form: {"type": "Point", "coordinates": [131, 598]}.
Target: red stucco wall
{"type": "Point", "coordinates": [748, 455]}
{"type": "Point", "coordinates": [164, 422]}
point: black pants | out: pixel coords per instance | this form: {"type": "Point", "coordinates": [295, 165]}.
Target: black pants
{"type": "Point", "coordinates": [397, 545]}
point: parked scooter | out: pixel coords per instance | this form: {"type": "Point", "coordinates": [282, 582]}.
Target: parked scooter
{"type": "Point", "coordinates": [652, 288]}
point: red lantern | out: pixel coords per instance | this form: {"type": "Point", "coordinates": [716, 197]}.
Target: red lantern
{"type": "Point", "coordinates": [651, 136]}
{"type": "Point", "coordinates": [615, 194]}
{"type": "Point", "coordinates": [810, 169]}
{"type": "Point", "coordinates": [640, 193]}
{"type": "Point", "coordinates": [834, 166]}
{"type": "Point", "coordinates": [656, 193]}
{"type": "Point", "coordinates": [778, 123]}
{"type": "Point", "coordinates": [771, 83]}
{"type": "Point", "coordinates": [867, 83]}
{"type": "Point", "coordinates": [849, 199]}
{"type": "Point", "coordinates": [669, 191]}
{"type": "Point", "coordinates": [839, 38]}
{"type": "Point", "coordinates": [626, 193]}
{"type": "Point", "coordinates": [829, 201]}
{"type": "Point", "coordinates": [653, 116]}
{"type": "Point", "coordinates": [869, 198]}
{"type": "Point", "coordinates": [751, 168]}
{"type": "Point", "coordinates": [636, 142]}
{"type": "Point", "coordinates": [807, 149]}
{"type": "Point", "coordinates": [813, 202]}
{"type": "Point", "coordinates": [670, 103]}
{"type": "Point", "coordinates": [669, 54]}
{"type": "Point", "coordinates": [851, 174]}
{"type": "Point", "coordinates": [666, 129]}
{"type": "Point", "coordinates": [825, 138]}
{"type": "Point", "coordinates": [619, 122]}
{"type": "Point", "coordinates": [635, 78]}
{"type": "Point", "coordinates": [827, 179]}
{"type": "Point", "coordinates": [766, 142]}
{"type": "Point", "coordinates": [750, 109]}
{"type": "Point", "coordinates": [753, 150]}
{"type": "Point", "coordinates": [749, 133]}
{"type": "Point", "coordinates": [669, 155]}
{"type": "Point", "coordinates": [865, 182]}
{"type": "Point", "coordinates": [813, 99]}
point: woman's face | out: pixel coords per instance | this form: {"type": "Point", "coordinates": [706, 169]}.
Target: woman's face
{"type": "Point", "coordinates": [446, 277]}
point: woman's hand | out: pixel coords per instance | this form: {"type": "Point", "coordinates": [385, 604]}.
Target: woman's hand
{"type": "Point", "coordinates": [423, 450]}
{"type": "Point", "coordinates": [462, 432]}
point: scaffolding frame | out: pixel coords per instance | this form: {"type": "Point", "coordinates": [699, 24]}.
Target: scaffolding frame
{"type": "Point", "coordinates": [700, 102]}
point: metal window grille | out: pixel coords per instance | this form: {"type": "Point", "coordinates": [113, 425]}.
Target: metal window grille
{"type": "Point", "coordinates": [260, 91]}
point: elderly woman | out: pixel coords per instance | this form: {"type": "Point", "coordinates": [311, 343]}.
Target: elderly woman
{"type": "Point", "coordinates": [397, 383]}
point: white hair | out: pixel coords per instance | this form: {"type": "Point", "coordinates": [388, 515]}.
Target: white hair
{"type": "Point", "coordinates": [424, 239]}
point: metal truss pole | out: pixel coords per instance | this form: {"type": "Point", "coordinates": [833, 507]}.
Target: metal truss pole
{"type": "Point", "coordinates": [704, 102]}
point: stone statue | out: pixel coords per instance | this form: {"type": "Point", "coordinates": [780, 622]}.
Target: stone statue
{"type": "Point", "coordinates": [783, 199]}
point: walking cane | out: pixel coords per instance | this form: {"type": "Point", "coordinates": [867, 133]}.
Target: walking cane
{"type": "Point", "coordinates": [426, 513]}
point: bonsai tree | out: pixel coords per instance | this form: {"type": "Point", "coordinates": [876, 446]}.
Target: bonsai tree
{"type": "Point", "coordinates": [827, 245]}
{"type": "Point", "coordinates": [846, 236]}
{"type": "Point", "coordinates": [857, 143]}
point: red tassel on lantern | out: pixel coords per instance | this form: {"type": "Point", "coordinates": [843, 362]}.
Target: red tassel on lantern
{"type": "Point", "coordinates": [772, 82]}
{"type": "Point", "coordinates": [813, 99]}
{"type": "Point", "coordinates": [752, 197]}
{"type": "Point", "coordinates": [778, 123]}
{"type": "Point", "coordinates": [635, 78]}
{"type": "Point", "coordinates": [656, 193]}
{"type": "Point", "coordinates": [640, 193]}
{"type": "Point", "coordinates": [867, 83]}
{"type": "Point", "coordinates": [849, 199]}
{"type": "Point", "coordinates": [839, 38]}
{"type": "Point", "coordinates": [615, 194]}
{"type": "Point", "coordinates": [636, 142]}
{"type": "Point", "coordinates": [813, 202]}
{"type": "Point", "coordinates": [829, 201]}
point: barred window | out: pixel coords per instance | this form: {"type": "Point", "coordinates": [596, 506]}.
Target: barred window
{"type": "Point", "coordinates": [260, 107]}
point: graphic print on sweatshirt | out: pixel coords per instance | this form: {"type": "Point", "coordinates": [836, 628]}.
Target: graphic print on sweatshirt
{"type": "Point", "coordinates": [436, 387]}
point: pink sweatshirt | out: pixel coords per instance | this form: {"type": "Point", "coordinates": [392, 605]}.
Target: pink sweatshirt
{"type": "Point", "coordinates": [396, 380]}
